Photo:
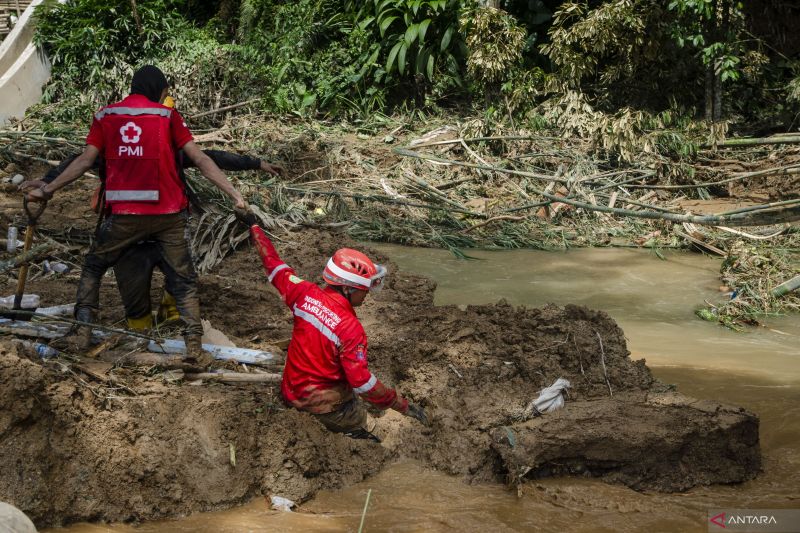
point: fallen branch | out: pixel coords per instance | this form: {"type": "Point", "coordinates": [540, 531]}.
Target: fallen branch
{"type": "Point", "coordinates": [32, 255]}
{"type": "Point", "coordinates": [756, 141]}
{"type": "Point", "coordinates": [778, 170]}
{"type": "Point", "coordinates": [417, 155]}
{"type": "Point", "coordinates": [225, 108]}
{"type": "Point", "coordinates": [751, 236]}
{"type": "Point", "coordinates": [493, 219]}
{"type": "Point", "coordinates": [381, 199]}
{"type": "Point", "coordinates": [603, 361]}
{"type": "Point", "coordinates": [786, 287]}
{"type": "Point", "coordinates": [234, 377]}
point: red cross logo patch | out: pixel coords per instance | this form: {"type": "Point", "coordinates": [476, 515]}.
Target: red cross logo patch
{"type": "Point", "coordinates": [130, 133]}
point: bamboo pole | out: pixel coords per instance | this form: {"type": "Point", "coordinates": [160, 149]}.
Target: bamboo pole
{"type": "Point", "coordinates": [379, 198]}
{"type": "Point", "coordinates": [758, 173]}
{"type": "Point", "coordinates": [24, 258]}
{"type": "Point", "coordinates": [786, 287]}
{"type": "Point", "coordinates": [225, 108]}
{"type": "Point", "coordinates": [757, 141]}
{"type": "Point", "coordinates": [749, 218]}
{"type": "Point", "coordinates": [234, 377]}
{"type": "Point", "coordinates": [425, 157]}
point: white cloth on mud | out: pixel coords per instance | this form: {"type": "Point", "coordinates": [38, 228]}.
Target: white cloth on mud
{"type": "Point", "coordinates": [550, 399]}
{"type": "Point", "coordinates": [279, 503]}
{"type": "Point", "coordinates": [12, 520]}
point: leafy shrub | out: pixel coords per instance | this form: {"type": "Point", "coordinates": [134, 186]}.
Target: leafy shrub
{"type": "Point", "coordinates": [97, 44]}
{"type": "Point", "coordinates": [354, 57]}
{"type": "Point", "coordinates": [495, 42]}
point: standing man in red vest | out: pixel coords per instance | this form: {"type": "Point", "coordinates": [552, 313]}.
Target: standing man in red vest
{"type": "Point", "coordinates": [139, 138]}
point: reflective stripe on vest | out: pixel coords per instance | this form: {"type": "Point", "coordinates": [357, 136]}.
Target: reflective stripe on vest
{"type": "Point", "coordinates": [318, 325]}
{"type": "Point", "coordinates": [132, 196]}
{"type": "Point", "coordinates": [133, 111]}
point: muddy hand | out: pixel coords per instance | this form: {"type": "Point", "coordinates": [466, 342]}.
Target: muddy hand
{"type": "Point", "coordinates": [246, 217]}
{"type": "Point", "coordinates": [415, 411]}
{"type": "Point", "coordinates": [275, 170]}
{"type": "Point", "coordinates": [239, 201]}
{"type": "Point", "coordinates": [38, 195]}
{"type": "Point", "coordinates": [31, 184]}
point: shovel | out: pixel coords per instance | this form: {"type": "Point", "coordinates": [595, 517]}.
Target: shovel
{"type": "Point", "coordinates": [33, 216]}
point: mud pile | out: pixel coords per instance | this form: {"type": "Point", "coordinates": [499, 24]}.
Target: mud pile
{"type": "Point", "coordinates": [71, 450]}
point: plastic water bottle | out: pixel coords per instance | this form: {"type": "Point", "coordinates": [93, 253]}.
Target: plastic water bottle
{"type": "Point", "coordinates": [11, 243]}
{"type": "Point", "coordinates": [58, 268]}
{"type": "Point", "coordinates": [56, 310]}
{"type": "Point", "coordinates": [42, 350]}
{"type": "Point", "coordinates": [29, 301]}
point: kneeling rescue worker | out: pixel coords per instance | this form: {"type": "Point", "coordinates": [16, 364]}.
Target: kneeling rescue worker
{"type": "Point", "coordinates": [326, 364]}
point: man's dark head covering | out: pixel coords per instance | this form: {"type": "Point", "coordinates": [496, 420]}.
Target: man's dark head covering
{"type": "Point", "coordinates": [149, 81]}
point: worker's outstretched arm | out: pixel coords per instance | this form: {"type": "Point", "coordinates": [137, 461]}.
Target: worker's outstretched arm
{"type": "Point", "coordinates": [353, 357]}
{"type": "Point", "coordinates": [281, 275]}
{"type": "Point", "coordinates": [213, 173]}
{"type": "Point", "coordinates": [75, 170]}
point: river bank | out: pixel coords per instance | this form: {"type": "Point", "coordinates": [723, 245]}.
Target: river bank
{"type": "Point", "coordinates": [165, 450]}
{"type": "Point", "coordinates": [409, 496]}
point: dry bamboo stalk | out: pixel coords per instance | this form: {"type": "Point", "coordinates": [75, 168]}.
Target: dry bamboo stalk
{"type": "Point", "coordinates": [786, 287]}
{"type": "Point", "coordinates": [234, 377]}
{"type": "Point", "coordinates": [603, 361]}
{"type": "Point", "coordinates": [493, 219]}
{"type": "Point", "coordinates": [225, 108]}
{"type": "Point", "coordinates": [757, 141]}
{"type": "Point", "coordinates": [789, 214]}
{"type": "Point", "coordinates": [757, 174]}
{"type": "Point", "coordinates": [31, 255]}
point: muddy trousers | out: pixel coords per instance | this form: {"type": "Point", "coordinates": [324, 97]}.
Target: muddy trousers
{"type": "Point", "coordinates": [136, 267]}
{"type": "Point", "coordinates": [117, 235]}
{"type": "Point", "coordinates": [350, 418]}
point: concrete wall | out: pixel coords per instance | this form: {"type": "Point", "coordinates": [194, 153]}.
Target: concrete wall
{"type": "Point", "coordinates": [23, 70]}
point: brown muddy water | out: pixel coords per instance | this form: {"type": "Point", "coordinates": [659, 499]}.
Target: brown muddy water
{"type": "Point", "coordinates": [653, 300]}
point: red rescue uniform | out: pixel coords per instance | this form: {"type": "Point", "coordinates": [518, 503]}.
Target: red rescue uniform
{"type": "Point", "coordinates": [327, 356]}
{"type": "Point", "coordinates": [141, 173]}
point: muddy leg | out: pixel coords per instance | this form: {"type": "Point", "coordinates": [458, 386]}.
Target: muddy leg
{"type": "Point", "coordinates": [134, 272]}
{"type": "Point", "coordinates": [175, 250]}
{"type": "Point", "coordinates": [350, 419]}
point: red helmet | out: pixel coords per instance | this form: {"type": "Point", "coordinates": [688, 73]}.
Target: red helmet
{"type": "Point", "coordinates": [351, 268]}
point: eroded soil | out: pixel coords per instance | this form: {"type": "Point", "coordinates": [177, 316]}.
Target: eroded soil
{"type": "Point", "coordinates": [72, 448]}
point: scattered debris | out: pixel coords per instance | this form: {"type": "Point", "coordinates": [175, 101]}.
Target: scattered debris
{"type": "Point", "coordinates": [550, 399]}
{"type": "Point", "coordinates": [241, 355]}
{"type": "Point", "coordinates": [233, 377]}
{"type": "Point", "coordinates": [279, 503]}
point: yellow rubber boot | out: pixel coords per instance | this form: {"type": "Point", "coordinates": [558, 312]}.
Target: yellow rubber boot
{"type": "Point", "coordinates": [144, 323]}
{"type": "Point", "coordinates": [167, 310]}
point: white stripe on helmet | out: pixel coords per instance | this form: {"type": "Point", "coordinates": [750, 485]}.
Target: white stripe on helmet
{"type": "Point", "coordinates": [349, 276]}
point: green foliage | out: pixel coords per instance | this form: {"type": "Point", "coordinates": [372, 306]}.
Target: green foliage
{"type": "Point", "coordinates": [414, 36]}
{"type": "Point", "coordinates": [610, 44]}
{"type": "Point", "coordinates": [703, 26]}
{"type": "Point", "coordinates": [353, 58]}
{"type": "Point", "coordinates": [94, 45]}
{"type": "Point", "coordinates": [495, 42]}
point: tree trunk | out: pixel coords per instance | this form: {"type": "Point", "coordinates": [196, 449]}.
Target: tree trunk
{"type": "Point", "coordinates": [710, 93]}
{"type": "Point", "coordinates": [136, 17]}
{"type": "Point", "coordinates": [723, 38]}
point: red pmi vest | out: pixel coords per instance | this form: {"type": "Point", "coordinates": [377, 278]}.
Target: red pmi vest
{"type": "Point", "coordinates": [134, 137]}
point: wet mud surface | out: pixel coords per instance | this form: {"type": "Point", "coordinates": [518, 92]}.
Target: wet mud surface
{"type": "Point", "coordinates": [70, 450]}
